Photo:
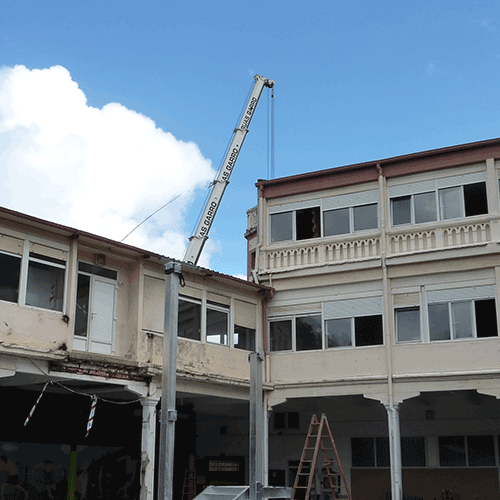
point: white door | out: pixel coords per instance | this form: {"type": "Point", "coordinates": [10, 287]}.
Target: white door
{"type": "Point", "coordinates": [102, 316]}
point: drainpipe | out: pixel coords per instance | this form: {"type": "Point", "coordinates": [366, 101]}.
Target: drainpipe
{"type": "Point", "coordinates": [392, 407]}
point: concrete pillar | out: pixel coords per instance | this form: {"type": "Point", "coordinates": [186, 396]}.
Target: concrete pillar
{"type": "Point", "coordinates": [148, 447]}
{"type": "Point", "coordinates": [395, 451]}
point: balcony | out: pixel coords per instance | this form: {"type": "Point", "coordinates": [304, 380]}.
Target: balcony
{"type": "Point", "coordinates": [367, 245]}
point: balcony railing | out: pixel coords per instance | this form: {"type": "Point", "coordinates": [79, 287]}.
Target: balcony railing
{"type": "Point", "coordinates": [361, 247]}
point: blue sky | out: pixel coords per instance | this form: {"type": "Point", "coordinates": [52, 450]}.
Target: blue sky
{"type": "Point", "coordinates": [355, 81]}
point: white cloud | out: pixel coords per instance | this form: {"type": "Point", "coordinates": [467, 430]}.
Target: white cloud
{"type": "Point", "coordinates": [99, 170]}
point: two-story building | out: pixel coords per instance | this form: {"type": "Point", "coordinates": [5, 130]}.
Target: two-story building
{"type": "Point", "coordinates": [81, 342]}
{"type": "Point", "coordinates": [386, 279]}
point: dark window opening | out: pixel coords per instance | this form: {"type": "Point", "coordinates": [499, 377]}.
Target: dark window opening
{"type": "Point", "coordinates": [486, 318]}
{"type": "Point", "coordinates": [293, 421]}
{"type": "Point", "coordinates": [476, 202]}
{"type": "Point", "coordinates": [281, 335]}
{"type": "Point", "coordinates": [189, 320]}
{"type": "Point", "coordinates": [244, 338]}
{"type": "Point", "coordinates": [368, 330]}
{"type": "Point", "coordinates": [363, 453]}
{"type": "Point", "coordinates": [308, 333]}
{"type": "Point", "coordinates": [307, 223]}
{"type": "Point", "coordinates": [481, 451]}
{"type": "Point", "coordinates": [413, 451]}
{"type": "Point", "coordinates": [382, 451]}
{"type": "Point", "coordinates": [82, 305]}
{"type": "Point", "coordinates": [97, 271]}
{"type": "Point", "coordinates": [10, 269]}
{"type": "Point", "coordinates": [452, 451]}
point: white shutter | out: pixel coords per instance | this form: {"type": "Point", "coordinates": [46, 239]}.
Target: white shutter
{"type": "Point", "coordinates": [369, 306]}
{"type": "Point", "coordinates": [245, 314]}
{"type": "Point", "coordinates": [153, 306]}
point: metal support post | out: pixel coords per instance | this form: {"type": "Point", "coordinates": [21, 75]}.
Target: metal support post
{"type": "Point", "coordinates": [256, 424]}
{"type": "Point", "coordinates": [168, 383]}
{"type": "Point", "coordinates": [395, 451]}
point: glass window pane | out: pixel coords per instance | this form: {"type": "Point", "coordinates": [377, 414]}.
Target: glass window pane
{"type": "Point", "coordinates": [338, 332]}
{"type": "Point", "coordinates": [281, 335]}
{"type": "Point", "coordinates": [481, 451]}
{"type": "Point", "coordinates": [10, 268]}
{"type": "Point", "coordinates": [439, 322]}
{"type": "Point", "coordinates": [450, 200]}
{"type": "Point", "coordinates": [82, 305]}
{"type": "Point", "coordinates": [462, 319]}
{"type": "Point", "coordinates": [308, 333]}
{"type": "Point", "coordinates": [336, 222]}
{"type": "Point", "coordinates": [368, 330]}
{"type": "Point", "coordinates": [382, 450]}
{"type": "Point", "coordinates": [365, 217]}
{"type": "Point", "coordinates": [244, 338]}
{"type": "Point", "coordinates": [189, 320]}
{"type": "Point", "coordinates": [281, 227]}
{"type": "Point", "coordinates": [425, 207]}
{"type": "Point", "coordinates": [401, 210]}
{"type": "Point", "coordinates": [408, 324]}
{"type": "Point", "coordinates": [45, 286]}
{"type": "Point", "coordinates": [413, 451]}
{"type": "Point", "coordinates": [486, 318]}
{"type": "Point", "coordinates": [475, 200]}
{"type": "Point", "coordinates": [363, 453]}
{"type": "Point", "coordinates": [217, 327]}
{"type": "Point", "coordinates": [452, 451]}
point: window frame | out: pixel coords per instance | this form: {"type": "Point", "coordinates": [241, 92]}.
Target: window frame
{"type": "Point", "coordinates": [26, 256]}
{"type": "Point", "coordinates": [452, 323]}
{"type": "Point", "coordinates": [321, 223]}
{"type": "Point", "coordinates": [352, 320]}
{"type": "Point", "coordinates": [396, 323]}
{"type": "Point", "coordinates": [293, 331]}
{"type": "Point", "coordinates": [439, 203]}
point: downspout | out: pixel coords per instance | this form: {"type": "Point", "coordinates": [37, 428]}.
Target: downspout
{"type": "Point", "coordinates": [391, 407]}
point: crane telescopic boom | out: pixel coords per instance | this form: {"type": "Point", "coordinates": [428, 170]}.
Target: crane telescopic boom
{"type": "Point", "coordinates": [197, 241]}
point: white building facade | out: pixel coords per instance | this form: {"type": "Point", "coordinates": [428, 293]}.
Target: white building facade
{"type": "Point", "coordinates": [384, 316]}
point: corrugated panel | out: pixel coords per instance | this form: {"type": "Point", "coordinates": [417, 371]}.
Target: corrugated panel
{"type": "Point", "coordinates": [11, 245]}
{"type": "Point", "coordinates": [468, 293]}
{"type": "Point", "coordinates": [459, 180]}
{"type": "Point", "coordinates": [287, 207]}
{"type": "Point", "coordinates": [412, 188]}
{"type": "Point", "coordinates": [153, 305]}
{"type": "Point", "coordinates": [406, 299]}
{"type": "Point", "coordinates": [245, 314]}
{"type": "Point", "coordinates": [55, 253]}
{"type": "Point", "coordinates": [350, 200]}
{"type": "Point", "coordinates": [218, 299]}
{"type": "Point", "coordinates": [356, 307]}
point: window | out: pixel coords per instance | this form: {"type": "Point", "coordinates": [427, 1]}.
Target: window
{"type": "Point", "coordinates": [462, 320]}
{"type": "Point", "coordinates": [45, 282]}
{"type": "Point", "coordinates": [454, 202]}
{"type": "Point", "coordinates": [374, 452]}
{"type": "Point", "coordinates": [358, 331]}
{"type": "Point", "coordinates": [281, 335]}
{"type": "Point", "coordinates": [189, 319]}
{"type": "Point", "coordinates": [286, 420]}
{"type": "Point", "coordinates": [306, 223]}
{"type": "Point", "coordinates": [347, 220]}
{"type": "Point", "coordinates": [10, 270]}
{"type": "Point", "coordinates": [408, 324]}
{"type": "Point", "coordinates": [305, 330]}
{"type": "Point", "coordinates": [245, 324]}
{"type": "Point", "coordinates": [44, 270]}
{"type": "Point", "coordinates": [244, 338]}
{"type": "Point", "coordinates": [466, 451]}
{"type": "Point", "coordinates": [217, 324]}
{"type": "Point", "coordinates": [414, 209]}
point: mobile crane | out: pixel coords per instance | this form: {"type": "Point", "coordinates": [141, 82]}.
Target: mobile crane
{"type": "Point", "coordinates": [197, 241]}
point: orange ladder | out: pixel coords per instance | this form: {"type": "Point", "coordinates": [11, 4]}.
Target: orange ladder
{"type": "Point", "coordinates": [319, 430]}
{"type": "Point", "coordinates": [189, 486]}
